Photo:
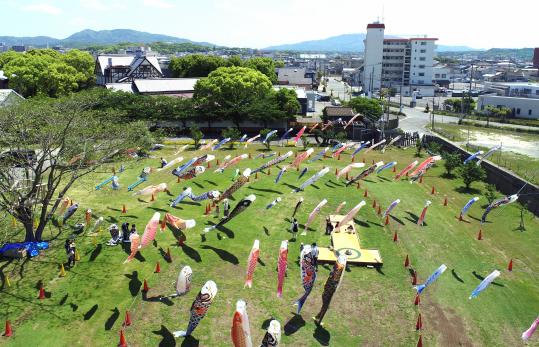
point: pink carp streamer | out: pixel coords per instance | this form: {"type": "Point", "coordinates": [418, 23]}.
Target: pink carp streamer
{"type": "Point", "coordinates": [208, 145]}
{"type": "Point", "coordinates": [351, 120]}
{"type": "Point", "coordinates": [251, 140]}
{"type": "Point", "coordinates": [154, 189]}
{"type": "Point", "coordinates": [298, 135]}
{"type": "Point", "coordinates": [135, 241]}
{"type": "Point", "coordinates": [313, 214]}
{"type": "Point", "coordinates": [405, 170]}
{"type": "Point", "coordinates": [374, 146]}
{"type": "Point", "coordinates": [339, 208]}
{"type": "Point", "coordinates": [302, 157]}
{"type": "Point", "coordinates": [177, 223]}
{"type": "Point", "coordinates": [528, 333]}
{"type": "Point", "coordinates": [351, 214]}
{"type": "Point", "coordinates": [281, 267]}
{"type": "Point", "coordinates": [424, 164]}
{"type": "Point", "coordinates": [342, 149]}
{"type": "Point", "coordinates": [241, 332]}
{"type": "Point", "coordinates": [251, 264]}
{"type": "Point", "coordinates": [151, 229]}
{"type": "Point", "coordinates": [421, 219]}
{"type": "Point", "coordinates": [231, 162]}
{"type": "Point", "coordinates": [348, 168]}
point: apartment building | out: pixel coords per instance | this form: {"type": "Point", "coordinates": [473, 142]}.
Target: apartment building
{"type": "Point", "coordinates": [400, 63]}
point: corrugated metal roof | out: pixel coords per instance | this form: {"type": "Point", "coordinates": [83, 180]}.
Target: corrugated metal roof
{"type": "Point", "coordinates": [165, 85]}
{"type": "Point", "coordinates": [124, 87]}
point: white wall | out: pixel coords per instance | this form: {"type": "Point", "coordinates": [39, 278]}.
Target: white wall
{"type": "Point", "coordinates": [422, 61]}
{"type": "Point", "coordinates": [524, 104]}
{"type": "Point", "coordinates": [374, 45]}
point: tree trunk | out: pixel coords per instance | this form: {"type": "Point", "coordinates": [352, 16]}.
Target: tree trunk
{"type": "Point", "coordinates": [29, 228]}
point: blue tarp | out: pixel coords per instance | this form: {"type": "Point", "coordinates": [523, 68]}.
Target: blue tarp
{"type": "Point", "coordinates": [32, 248]}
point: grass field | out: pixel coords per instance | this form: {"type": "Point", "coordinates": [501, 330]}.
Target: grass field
{"type": "Point", "coordinates": [371, 308]}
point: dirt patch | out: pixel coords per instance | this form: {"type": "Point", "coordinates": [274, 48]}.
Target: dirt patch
{"type": "Point", "coordinates": [447, 324]}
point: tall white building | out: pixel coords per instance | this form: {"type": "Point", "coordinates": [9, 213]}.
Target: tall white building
{"type": "Point", "coordinates": [405, 63]}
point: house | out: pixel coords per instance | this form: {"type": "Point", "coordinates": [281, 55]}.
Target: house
{"type": "Point", "coordinates": [177, 87]}
{"type": "Point", "coordinates": [335, 112]}
{"type": "Point", "coordinates": [121, 68]}
{"type": "Point", "coordinates": [9, 97]}
{"type": "Point", "coordinates": [298, 77]}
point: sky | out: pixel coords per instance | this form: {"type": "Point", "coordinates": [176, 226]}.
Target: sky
{"type": "Point", "coordinates": [261, 23]}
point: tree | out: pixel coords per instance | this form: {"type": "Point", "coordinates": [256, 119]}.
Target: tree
{"type": "Point", "coordinates": [229, 92]}
{"type": "Point", "coordinates": [196, 135]}
{"type": "Point", "coordinates": [234, 135]}
{"type": "Point", "coordinates": [452, 161]}
{"type": "Point", "coordinates": [490, 192]}
{"type": "Point", "coordinates": [264, 65]}
{"type": "Point", "coordinates": [368, 107]}
{"type": "Point", "coordinates": [69, 140]}
{"type": "Point", "coordinates": [263, 134]}
{"type": "Point", "coordinates": [470, 173]}
{"type": "Point", "coordinates": [195, 65]}
{"type": "Point", "coordinates": [418, 148]}
{"type": "Point", "coordinates": [287, 101]}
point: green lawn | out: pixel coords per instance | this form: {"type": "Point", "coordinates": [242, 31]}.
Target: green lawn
{"type": "Point", "coordinates": [373, 308]}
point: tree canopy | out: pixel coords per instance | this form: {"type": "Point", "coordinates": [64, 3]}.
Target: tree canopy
{"type": "Point", "coordinates": [368, 107]}
{"type": "Point", "coordinates": [69, 140]}
{"type": "Point", "coordinates": [48, 72]}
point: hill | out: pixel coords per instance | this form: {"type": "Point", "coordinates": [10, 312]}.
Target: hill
{"type": "Point", "coordinates": [100, 37]}
{"type": "Point", "coordinates": [344, 43]}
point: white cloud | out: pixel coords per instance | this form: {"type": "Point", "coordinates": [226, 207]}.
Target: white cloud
{"type": "Point", "coordinates": [93, 5]}
{"type": "Point", "coordinates": [42, 8]}
{"type": "Point", "coordinates": [157, 3]}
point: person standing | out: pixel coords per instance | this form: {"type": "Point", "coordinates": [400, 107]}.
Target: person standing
{"type": "Point", "coordinates": [226, 208]}
{"type": "Point", "coordinates": [71, 254]}
{"type": "Point", "coordinates": [125, 232]}
{"type": "Point", "coordinates": [163, 162]}
{"type": "Point", "coordinates": [294, 228]}
{"type": "Point", "coordinates": [329, 226]}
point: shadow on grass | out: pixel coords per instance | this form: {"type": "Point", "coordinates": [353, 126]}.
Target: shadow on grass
{"type": "Point", "coordinates": [261, 262]}
{"type": "Point", "coordinates": [464, 190]}
{"type": "Point", "coordinates": [290, 186]}
{"type": "Point", "coordinates": [63, 300]}
{"type": "Point", "coordinates": [167, 337]}
{"type": "Point", "coordinates": [266, 231]}
{"type": "Point", "coordinates": [398, 220]}
{"type": "Point", "coordinates": [294, 324]}
{"type": "Point", "coordinates": [158, 298]}
{"type": "Point", "coordinates": [112, 319]}
{"type": "Point", "coordinates": [90, 313]}
{"type": "Point", "coordinates": [157, 209]}
{"type": "Point", "coordinates": [414, 218]}
{"type": "Point", "coordinates": [383, 178]}
{"type": "Point", "coordinates": [265, 190]}
{"type": "Point", "coordinates": [379, 270]}
{"type": "Point", "coordinates": [96, 252]}
{"type": "Point", "coordinates": [362, 223]}
{"type": "Point", "coordinates": [110, 208]}
{"type": "Point", "coordinates": [223, 254]}
{"type": "Point", "coordinates": [447, 176]}
{"type": "Point", "coordinates": [198, 185]}
{"type": "Point", "coordinates": [322, 335]}
{"type": "Point", "coordinates": [457, 277]}
{"type": "Point", "coordinates": [192, 203]}
{"type": "Point", "coordinates": [479, 277]}
{"type": "Point", "coordinates": [191, 253]}
{"type": "Point", "coordinates": [211, 182]}
{"type": "Point", "coordinates": [134, 283]}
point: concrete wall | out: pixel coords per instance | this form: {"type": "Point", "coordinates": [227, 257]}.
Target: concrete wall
{"type": "Point", "coordinates": [506, 182]}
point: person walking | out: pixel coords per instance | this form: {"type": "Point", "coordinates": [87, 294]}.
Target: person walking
{"type": "Point", "coordinates": [226, 208]}
{"type": "Point", "coordinates": [71, 251]}
{"type": "Point", "coordinates": [294, 228]}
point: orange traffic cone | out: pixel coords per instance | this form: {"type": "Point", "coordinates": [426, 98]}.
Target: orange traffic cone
{"type": "Point", "coordinates": [419, 323]}
{"type": "Point", "coordinates": [358, 185]}
{"type": "Point", "coordinates": [433, 190]}
{"type": "Point", "coordinates": [480, 235]}
{"type": "Point", "coordinates": [206, 210]}
{"type": "Point", "coordinates": [347, 177]}
{"type": "Point", "coordinates": [157, 268]}
{"type": "Point", "coordinates": [394, 169]}
{"type": "Point", "coordinates": [124, 209]}
{"type": "Point", "coordinates": [421, 179]}
{"type": "Point", "coordinates": [387, 220]}
{"type": "Point", "coordinates": [217, 162]}
{"type": "Point", "coordinates": [8, 332]}
{"type": "Point", "coordinates": [352, 160]}
{"type": "Point", "coordinates": [122, 343]}
{"type": "Point", "coordinates": [153, 197]}
{"type": "Point", "coordinates": [445, 201]}
{"type": "Point", "coordinates": [379, 211]}
{"type": "Point", "coordinates": [339, 157]}
{"type": "Point", "coordinates": [366, 194]}
{"type": "Point", "coordinates": [374, 203]}
{"type": "Point", "coordinates": [510, 266]}
{"type": "Point", "coordinates": [127, 320]}
{"type": "Point", "coordinates": [41, 293]}
{"type": "Point", "coordinates": [407, 174]}
{"type": "Point", "coordinates": [420, 341]}
{"type": "Point", "coordinates": [417, 300]}
{"type": "Point", "coordinates": [163, 224]}
{"type": "Point", "coordinates": [168, 255]}
{"type": "Point", "coordinates": [336, 171]}
{"type": "Point", "coordinates": [209, 165]}
{"type": "Point", "coordinates": [395, 237]}
{"type": "Point", "coordinates": [178, 180]}
{"type": "Point", "coordinates": [145, 287]}
{"type": "Point", "coordinates": [406, 261]}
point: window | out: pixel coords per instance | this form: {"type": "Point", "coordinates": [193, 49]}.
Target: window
{"type": "Point", "coordinates": [422, 58]}
{"type": "Point", "coordinates": [421, 74]}
{"type": "Point", "coordinates": [518, 110]}
{"type": "Point", "coordinates": [421, 66]}
{"type": "Point", "coordinates": [423, 51]}
{"type": "Point", "coordinates": [420, 82]}
{"type": "Point", "coordinates": [482, 107]}
{"type": "Point", "coordinates": [444, 75]}
{"type": "Point", "coordinates": [529, 112]}
{"type": "Point", "coordinates": [537, 92]}
{"type": "Point", "coordinates": [437, 75]}
{"type": "Point", "coordinates": [423, 43]}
